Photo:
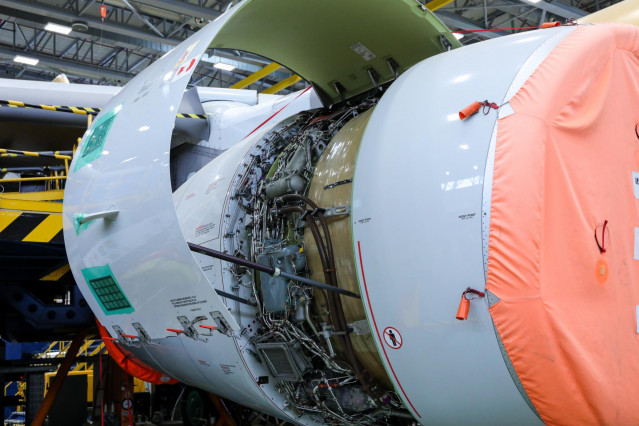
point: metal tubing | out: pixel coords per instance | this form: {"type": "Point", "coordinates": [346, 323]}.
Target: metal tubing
{"type": "Point", "coordinates": [319, 285]}
{"type": "Point", "coordinates": [61, 155]}
{"type": "Point", "coordinates": [59, 379]}
{"type": "Point", "coordinates": [314, 230]}
{"type": "Point", "coordinates": [31, 169]}
{"type": "Point", "coordinates": [33, 179]}
{"type": "Point", "coordinates": [237, 299]}
{"type": "Point", "coordinates": [70, 109]}
{"type": "Point", "coordinates": [332, 278]}
{"type": "Point", "coordinates": [267, 269]}
{"type": "Point", "coordinates": [146, 21]}
{"type": "Point", "coordinates": [320, 217]}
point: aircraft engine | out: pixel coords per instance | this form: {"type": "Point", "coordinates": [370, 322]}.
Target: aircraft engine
{"type": "Point", "coordinates": [381, 260]}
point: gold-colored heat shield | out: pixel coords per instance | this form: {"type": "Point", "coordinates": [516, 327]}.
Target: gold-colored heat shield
{"type": "Point", "coordinates": [327, 189]}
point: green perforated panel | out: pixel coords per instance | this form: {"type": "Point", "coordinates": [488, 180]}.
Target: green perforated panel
{"type": "Point", "coordinates": [106, 290]}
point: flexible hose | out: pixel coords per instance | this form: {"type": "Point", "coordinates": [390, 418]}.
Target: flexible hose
{"type": "Point", "coordinates": [329, 269]}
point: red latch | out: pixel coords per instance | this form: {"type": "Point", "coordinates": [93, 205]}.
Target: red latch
{"type": "Point", "coordinates": [464, 304]}
{"type": "Point", "coordinates": [174, 330]}
{"type": "Point", "coordinates": [208, 327]}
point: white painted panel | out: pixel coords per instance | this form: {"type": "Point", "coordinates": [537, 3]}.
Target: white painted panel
{"type": "Point", "coordinates": [417, 221]}
{"type": "Point", "coordinates": [144, 247]}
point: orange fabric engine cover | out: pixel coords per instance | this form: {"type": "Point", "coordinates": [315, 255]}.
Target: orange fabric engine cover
{"type": "Point", "coordinates": [564, 165]}
{"type": "Point", "coordinates": [131, 365]}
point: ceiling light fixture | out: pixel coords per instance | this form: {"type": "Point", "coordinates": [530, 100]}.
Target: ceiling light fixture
{"type": "Point", "coordinates": [80, 26]}
{"type": "Point", "coordinates": [223, 66]}
{"type": "Point", "coordinates": [55, 28]}
{"type": "Point", "coordinates": [26, 60]}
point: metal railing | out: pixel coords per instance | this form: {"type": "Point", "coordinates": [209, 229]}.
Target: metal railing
{"type": "Point", "coordinates": [59, 350]}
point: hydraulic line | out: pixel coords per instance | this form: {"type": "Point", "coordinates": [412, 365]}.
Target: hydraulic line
{"type": "Point", "coordinates": [329, 269]}
{"type": "Point", "coordinates": [267, 269]}
{"type": "Point", "coordinates": [332, 300]}
{"type": "Point", "coordinates": [320, 217]}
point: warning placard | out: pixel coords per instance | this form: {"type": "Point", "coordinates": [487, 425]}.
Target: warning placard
{"type": "Point", "coordinates": [392, 338]}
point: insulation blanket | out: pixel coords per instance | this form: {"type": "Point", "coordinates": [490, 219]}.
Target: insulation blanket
{"type": "Point", "coordinates": [130, 364]}
{"type": "Point", "coordinates": [564, 164]}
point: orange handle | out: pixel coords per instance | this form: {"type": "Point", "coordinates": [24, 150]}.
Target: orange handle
{"type": "Point", "coordinates": [469, 110]}
{"type": "Point", "coordinates": [464, 307]}
{"type": "Point", "coordinates": [550, 24]}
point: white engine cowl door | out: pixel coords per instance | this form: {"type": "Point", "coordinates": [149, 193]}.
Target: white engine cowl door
{"type": "Point", "coordinates": [132, 263]}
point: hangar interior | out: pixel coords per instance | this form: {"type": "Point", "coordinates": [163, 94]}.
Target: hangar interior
{"type": "Point", "coordinates": [56, 366]}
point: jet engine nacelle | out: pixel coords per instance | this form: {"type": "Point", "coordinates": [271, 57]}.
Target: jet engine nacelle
{"type": "Point", "coordinates": [393, 197]}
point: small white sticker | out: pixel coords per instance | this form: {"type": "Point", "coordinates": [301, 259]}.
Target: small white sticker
{"type": "Point", "coordinates": [635, 183]}
{"type": "Point", "coordinates": [363, 51]}
{"type": "Point", "coordinates": [636, 243]}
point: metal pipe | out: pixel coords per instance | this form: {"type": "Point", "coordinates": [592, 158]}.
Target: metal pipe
{"type": "Point", "coordinates": [267, 269]}
{"type": "Point", "coordinates": [60, 155]}
{"type": "Point", "coordinates": [307, 315]}
{"type": "Point", "coordinates": [339, 310]}
{"type": "Point", "coordinates": [320, 217]}
{"type": "Point", "coordinates": [31, 169]}
{"type": "Point", "coordinates": [146, 21]}
{"type": "Point", "coordinates": [392, 413]}
{"type": "Point", "coordinates": [236, 298]}
{"type": "Point", "coordinates": [314, 230]}
{"type": "Point", "coordinates": [333, 301]}
{"type": "Point", "coordinates": [32, 179]}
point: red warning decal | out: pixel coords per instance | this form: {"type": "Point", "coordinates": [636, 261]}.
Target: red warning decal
{"type": "Point", "coordinates": [392, 337]}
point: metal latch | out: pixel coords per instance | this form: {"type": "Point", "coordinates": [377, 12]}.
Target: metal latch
{"type": "Point", "coordinates": [126, 339]}
{"type": "Point", "coordinates": [337, 211]}
{"type": "Point", "coordinates": [189, 327]}
{"type": "Point", "coordinates": [143, 336]}
{"type": "Point", "coordinates": [222, 326]}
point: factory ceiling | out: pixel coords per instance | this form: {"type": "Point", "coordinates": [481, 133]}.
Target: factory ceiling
{"type": "Point", "coordinates": [112, 49]}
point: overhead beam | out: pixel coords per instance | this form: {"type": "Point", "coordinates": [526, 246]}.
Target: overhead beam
{"type": "Point", "coordinates": [456, 21]}
{"type": "Point", "coordinates": [282, 85]}
{"type": "Point", "coordinates": [183, 8]}
{"type": "Point", "coordinates": [436, 4]}
{"type": "Point", "coordinates": [256, 76]}
{"type": "Point", "coordinates": [143, 19]}
{"type": "Point", "coordinates": [63, 15]}
{"type": "Point", "coordinates": [70, 67]}
{"type": "Point", "coordinates": [247, 62]}
{"type": "Point", "coordinates": [556, 8]}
